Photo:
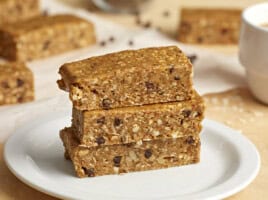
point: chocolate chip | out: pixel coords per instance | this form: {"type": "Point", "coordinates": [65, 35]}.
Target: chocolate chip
{"type": "Point", "coordinates": [171, 70]}
{"type": "Point", "coordinates": [46, 45]}
{"type": "Point", "coordinates": [89, 172]}
{"type": "Point", "coordinates": [130, 42]}
{"type": "Point", "coordinates": [148, 153]}
{"type": "Point", "coordinates": [177, 77]}
{"type": "Point", "coordinates": [5, 85]}
{"type": "Point", "coordinates": [101, 120]}
{"type": "Point", "coordinates": [192, 58]}
{"type": "Point", "coordinates": [117, 160]}
{"type": "Point", "coordinates": [224, 31]}
{"type": "Point", "coordinates": [200, 39]}
{"type": "Point", "coordinates": [117, 121]}
{"type": "Point", "coordinates": [186, 113]}
{"type": "Point", "coordinates": [190, 140]}
{"type": "Point", "coordinates": [20, 99]}
{"type": "Point", "coordinates": [147, 24]}
{"type": "Point", "coordinates": [158, 28]}
{"type": "Point", "coordinates": [166, 13]}
{"type": "Point", "coordinates": [100, 140]}
{"type": "Point", "coordinates": [45, 12]}
{"type": "Point", "coordinates": [106, 103]}
{"type": "Point", "coordinates": [19, 7]}
{"type": "Point", "coordinates": [94, 91]}
{"type": "Point", "coordinates": [111, 39]}
{"type": "Point", "coordinates": [149, 85]}
{"type": "Point", "coordinates": [102, 43]}
{"type": "Point", "coordinates": [136, 13]}
{"type": "Point", "coordinates": [20, 82]}
{"type": "Point", "coordinates": [186, 27]}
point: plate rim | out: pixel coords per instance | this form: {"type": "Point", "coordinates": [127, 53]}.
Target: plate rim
{"type": "Point", "coordinates": [59, 194]}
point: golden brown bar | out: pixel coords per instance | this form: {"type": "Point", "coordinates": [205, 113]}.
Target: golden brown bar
{"type": "Point", "coordinates": [16, 83]}
{"type": "Point", "coordinates": [17, 10]}
{"type": "Point", "coordinates": [44, 36]}
{"type": "Point", "coordinates": [115, 159]}
{"type": "Point", "coordinates": [128, 78]}
{"type": "Point", "coordinates": [209, 26]}
{"type": "Point", "coordinates": [139, 123]}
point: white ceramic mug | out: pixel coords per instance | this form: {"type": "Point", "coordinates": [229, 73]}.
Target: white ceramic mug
{"type": "Point", "coordinates": [253, 49]}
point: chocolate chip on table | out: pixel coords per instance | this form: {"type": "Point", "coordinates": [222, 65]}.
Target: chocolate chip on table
{"type": "Point", "coordinates": [89, 172]}
{"type": "Point", "coordinates": [186, 113]}
{"type": "Point", "coordinates": [4, 84]}
{"type": "Point", "coordinates": [106, 103]}
{"type": "Point", "coordinates": [101, 120]}
{"type": "Point", "coordinates": [117, 160]}
{"type": "Point", "coordinates": [147, 24]}
{"type": "Point", "coordinates": [20, 82]}
{"type": "Point", "coordinates": [148, 153]}
{"type": "Point", "coordinates": [158, 28]}
{"type": "Point", "coordinates": [100, 140]}
{"type": "Point", "coordinates": [166, 13]}
{"type": "Point", "coordinates": [45, 12]}
{"type": "Point", "coordinates": [102, 43]}
{"type": "Point", "coordinates": [192, 58]}
{"type": "Point", "coordinates": [117, 121]}
{"type": "Point", "coordinates": [130, 42]}
{"type": "Point", "coordinates": [111, 39]}
{"type": "Point", "coordinates": [190, 140]}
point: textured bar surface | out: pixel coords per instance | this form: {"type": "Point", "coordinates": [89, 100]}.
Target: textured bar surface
{"type": "Point", "coordinates": [128, 78]}
{"type": "Point", "coordinates": [132, 124]}
{"type": "Point", "coordinates": [17, 10]}
{"type": "Point", "coordinates": [16, 83]}
{"type": "Point", "coordinates": [209, 26]}
{"type": "Point", "coordinates": [44, 36]}
{"type": "Point", "coordinates": [115, 159]}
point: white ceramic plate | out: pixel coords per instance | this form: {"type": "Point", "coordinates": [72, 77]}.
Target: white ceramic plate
{"type": "Point", "coordinates": [229, 162]}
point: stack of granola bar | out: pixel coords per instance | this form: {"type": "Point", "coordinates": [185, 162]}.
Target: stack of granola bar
{"type": "Point", "coordinates": [133, 110]}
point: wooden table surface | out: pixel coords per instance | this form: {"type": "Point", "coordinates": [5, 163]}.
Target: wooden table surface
{"type": "Point", "coordinates": [235, 108]}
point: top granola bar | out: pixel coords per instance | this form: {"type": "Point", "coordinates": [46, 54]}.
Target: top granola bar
{"type": "Point", "coordinates": [128, 78]}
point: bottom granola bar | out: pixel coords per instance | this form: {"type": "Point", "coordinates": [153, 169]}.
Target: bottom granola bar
{"type": "Point", "coordinates": [123, 158]}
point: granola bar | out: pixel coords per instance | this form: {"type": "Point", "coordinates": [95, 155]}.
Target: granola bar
{"type": "Point", "coordinates": [138, 123]}
{"type": "Point", "coordinates": [209, 26]}
{"type": "Point", "coordinates": [128, 78]}
{"type": "Point", "coordinates": [124, 158]}
{"type": "Point", "coordinates": [16, 83]}
{"type": "Point", "coordinates": [44, 36]}
{"type": "Point", "coordinates": [17, 10]}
